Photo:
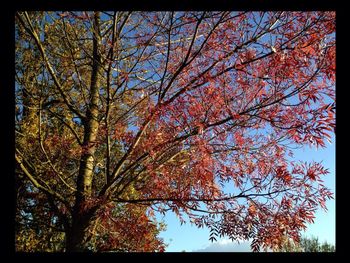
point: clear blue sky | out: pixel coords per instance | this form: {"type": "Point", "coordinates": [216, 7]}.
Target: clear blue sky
{"type": "Point", "coordinates": [190, 238]}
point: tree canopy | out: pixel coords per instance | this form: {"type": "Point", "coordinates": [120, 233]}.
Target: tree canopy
{"type": "Point", "coordinates": [121, 115]}
{"type": "Point", "coordinates": [306, 245]}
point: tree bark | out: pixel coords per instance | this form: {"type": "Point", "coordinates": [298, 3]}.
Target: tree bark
{"type": "Point", "coordinates": [82, 210]}
{"type": "Point", "coordinates": [75, 236]}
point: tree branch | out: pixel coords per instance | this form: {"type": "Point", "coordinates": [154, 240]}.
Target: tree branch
{"type": "Point", "coordinates": [37, 184]}
{"type": "Point", "coordinates": [33, 33]}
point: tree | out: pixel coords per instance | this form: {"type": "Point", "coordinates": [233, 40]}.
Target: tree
{"type": "Point", "coordinates": [306, 245]}
{"type": "Point", "coordinates": [123, 114]}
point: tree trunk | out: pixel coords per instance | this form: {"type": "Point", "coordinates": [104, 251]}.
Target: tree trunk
{"type": "Point", "coordinates": [75, 235]}
{"type": "Point", "coordinates": [82, 211]}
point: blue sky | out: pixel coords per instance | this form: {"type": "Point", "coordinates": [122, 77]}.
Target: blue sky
{"type": "Point", "coordinates": [190, 238]}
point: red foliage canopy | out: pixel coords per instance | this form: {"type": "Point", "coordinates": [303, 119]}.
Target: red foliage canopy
{"type": "Point", "coordinates": [205, 108]}
{"type": "Point", "coordinates": [228, 113]}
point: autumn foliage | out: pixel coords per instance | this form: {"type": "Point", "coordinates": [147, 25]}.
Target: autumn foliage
{"type": "Point", "coordinates": [120, 115]}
